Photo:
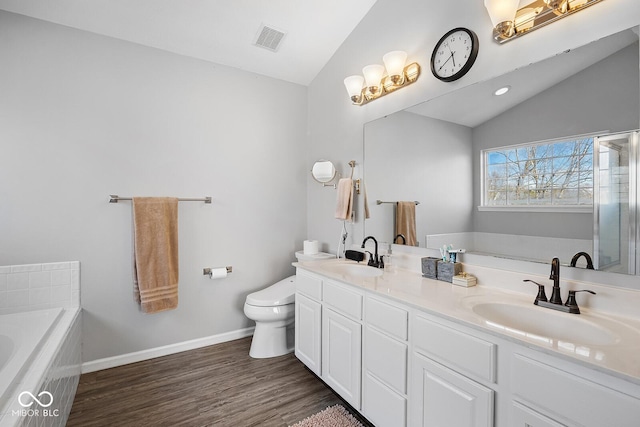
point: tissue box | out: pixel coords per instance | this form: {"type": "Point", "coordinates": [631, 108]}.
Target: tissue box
{"type": "Point", "coordinates": [464, 279]}
{"type": "Point", "coordinates": [446, 270]}
{"type": "Point", "coordinates": [430, 267]}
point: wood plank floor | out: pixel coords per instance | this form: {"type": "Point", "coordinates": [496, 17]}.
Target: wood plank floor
{"type": "Point", "coordinates": [218, 385]}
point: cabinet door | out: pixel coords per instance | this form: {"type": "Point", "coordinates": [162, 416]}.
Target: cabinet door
{"type": "Point", "coordinates": [308, 333]}
{"type": "Point", "coordinates": [442, 397]}
{"type": "Point", "coordinates": [382, 405]}
{"type": "Point", "coordinates": [341, 355]}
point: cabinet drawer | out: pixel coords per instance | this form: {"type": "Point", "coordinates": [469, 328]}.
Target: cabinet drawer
{"type": "Point", "coordinates": [382, 406]}
{"type": "Point", "coordinates": [386, 358]}
{"type": "Point", "coordinates": [342, 299]}
{"type": "Point", "coordinates": [387, 318]}
{"type": "Point", "coordinates": [309, 285]}
{"type": "Point", "coordinates": [589, 405]}
{"type": "Point", "coordinates": [521, 416]}
{"type": "Point", "coordinates": [452, 347]}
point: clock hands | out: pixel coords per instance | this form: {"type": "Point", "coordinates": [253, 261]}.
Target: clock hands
{"type": "Point", "coordinates": [445, 62]}
{"type": "Point", "coordinates": [451, 57]}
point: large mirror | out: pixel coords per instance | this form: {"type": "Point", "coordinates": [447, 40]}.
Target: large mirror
{"type": "Point", "coordinates": [439, 154]}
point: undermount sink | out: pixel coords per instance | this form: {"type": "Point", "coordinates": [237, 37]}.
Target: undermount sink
{"type": "Point", "coordinates": [543, 324]}
{"type": "Point", "coordinates": [355, 270]}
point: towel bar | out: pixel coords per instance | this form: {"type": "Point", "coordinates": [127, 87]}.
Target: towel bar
{"type": "Point", "coordinates": [379, 202]}
{"type": "Point", "coordinates": [114, 198]}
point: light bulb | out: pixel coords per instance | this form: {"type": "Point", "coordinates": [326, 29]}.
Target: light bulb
{"type": "Point", "coordinates": [394, 62]}
{"type": "Point", "coordinates": [373, 75]}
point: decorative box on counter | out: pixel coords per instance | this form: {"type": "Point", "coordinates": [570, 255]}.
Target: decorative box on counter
{"type": "Point", "coordinates": [464, 279]}
{"type": "Point", "coordinates": [430, 267]}
{"type": "Point", "coordinates": [446, 270]}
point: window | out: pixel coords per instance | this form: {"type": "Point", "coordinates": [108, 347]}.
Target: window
{"type": "Point", "coordinates": [548, 174]}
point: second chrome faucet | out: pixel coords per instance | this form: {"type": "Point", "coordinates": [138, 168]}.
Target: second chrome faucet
{"type": "Point", "coordinates": [555, 302]}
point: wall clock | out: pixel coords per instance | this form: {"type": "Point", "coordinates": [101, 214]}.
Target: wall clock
{"type": "Point", "coordinates": [454, 54]}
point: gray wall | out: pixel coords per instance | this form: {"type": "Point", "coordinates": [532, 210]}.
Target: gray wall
{"type": "Point", "coordinates": [83, 116]}
{"type": "Point", "coordinates": [412, 157]}
{"type": "Point", "coordinates": [603, 97]}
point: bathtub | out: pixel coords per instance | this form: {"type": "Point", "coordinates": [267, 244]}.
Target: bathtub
{"type": "Point", "coordinates": [39, 366]}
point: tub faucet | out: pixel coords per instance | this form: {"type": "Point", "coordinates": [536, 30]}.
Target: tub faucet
{"type": "Point", "coordinates": [404, 239]}
{"type": "Point", "coordinates": [373, 260]}
{"type": "Point", "coordinates": [555, 276]}
{"type": "Point", "coordinates": [586, 256]}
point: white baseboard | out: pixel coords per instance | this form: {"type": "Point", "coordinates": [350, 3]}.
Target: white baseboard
{"type": "Point", "coordinates": [138, 356]}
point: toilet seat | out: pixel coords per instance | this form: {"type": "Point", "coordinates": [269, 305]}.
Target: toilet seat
{"type": "Point", "coordinates": [280, 293]}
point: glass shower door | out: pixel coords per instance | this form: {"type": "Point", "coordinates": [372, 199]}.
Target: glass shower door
{"type": "Point", "coordinates": [615, 203]}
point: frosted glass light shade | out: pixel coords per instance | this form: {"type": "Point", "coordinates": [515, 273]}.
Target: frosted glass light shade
{"type": "Point", "coordinates": [501, 10]}
{"type": "Point", "coordinates": [373, 75]}
{"type": "Point", "coordinates": [394, 62]}
{"type": "Point", "coordinates": [354, 85]}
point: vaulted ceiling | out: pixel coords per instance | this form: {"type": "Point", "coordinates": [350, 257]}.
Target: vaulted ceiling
{"type": "Point", "coordinates": [223, 32]}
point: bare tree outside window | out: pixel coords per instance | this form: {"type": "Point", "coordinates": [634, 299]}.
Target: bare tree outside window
{"type": "Point", "coordinates": [547, 174]}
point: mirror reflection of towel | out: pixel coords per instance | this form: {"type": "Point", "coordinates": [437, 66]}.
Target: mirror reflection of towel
{"type": "Point", "coordinates": [344, 201]}
{"type": "Point", "coordinates": [406, 221]}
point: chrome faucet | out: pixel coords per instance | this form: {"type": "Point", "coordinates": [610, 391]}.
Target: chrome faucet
{"type": "Point", "coordinates": [374, 261]}
{"type": "Point", "coordinates": [555, 302]}
{"type": "Point", "coordinates": [586, 256]}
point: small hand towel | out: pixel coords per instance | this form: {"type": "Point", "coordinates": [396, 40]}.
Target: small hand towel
{"type": "Point", "coordinates": [406, 221]}
{"type": "Point", "coordinates": [155, 252]}
{"type": "Point", "coordinates": [366, 202]}
{"type": "Point", "coordinates": [344, 202]}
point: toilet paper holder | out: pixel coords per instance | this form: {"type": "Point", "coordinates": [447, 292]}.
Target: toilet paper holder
{"type": "Point", "coordinates": [209, 271]}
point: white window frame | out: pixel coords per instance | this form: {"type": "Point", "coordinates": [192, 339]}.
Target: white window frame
{"type": "Point", "coordinates": [530, 208]}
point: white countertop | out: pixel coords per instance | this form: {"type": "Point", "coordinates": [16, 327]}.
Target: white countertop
{"type": "Point", "coordinates": [620, 358]}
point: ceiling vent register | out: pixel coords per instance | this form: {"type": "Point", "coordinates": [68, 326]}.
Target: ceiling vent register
{"type": "Point", "coordinates": [269, 38]}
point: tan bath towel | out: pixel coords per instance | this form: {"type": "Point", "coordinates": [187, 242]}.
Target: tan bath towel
{"type": "Point", "coordinates": [406, 221]}
{"type": "Point", "coordinates": [344, 202]}
{"type": "Point", "coordinates": [155, 252]}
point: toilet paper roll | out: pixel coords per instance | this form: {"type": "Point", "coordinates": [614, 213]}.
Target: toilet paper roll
{"type": "Point", "coordinates": [310, 247]}
{"type": "Point", "coordinates": [218, 273]}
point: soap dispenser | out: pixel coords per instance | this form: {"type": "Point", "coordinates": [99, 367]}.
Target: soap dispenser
{"type": "Point", "coordinates": [389, 262]}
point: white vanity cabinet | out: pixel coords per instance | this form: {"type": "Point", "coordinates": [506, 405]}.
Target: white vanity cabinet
{"type": "Point", "coordinates": [403, 365]}
{"type": "Point", "coordinates": [385, 362]}
{"type": "Point", "coordinates": [308, 321]}
{"type": "Point", "coordinates": [450, 377]}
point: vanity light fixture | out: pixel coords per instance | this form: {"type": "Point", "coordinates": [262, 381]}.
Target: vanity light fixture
{"type": "Point", "coordinates": [502, 90]}
{"type": "Point", "coordinates": [376, 84]}
{"type": "Point", "coordinates": [510, 22]}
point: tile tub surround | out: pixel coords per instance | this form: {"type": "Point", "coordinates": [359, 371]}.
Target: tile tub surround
{"type": "Point", "coordinates": [55, 369]}
{"type": "Point", "coordinates": [39, 286]}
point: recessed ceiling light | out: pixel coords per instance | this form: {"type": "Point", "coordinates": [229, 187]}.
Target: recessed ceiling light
{"type": "Point", "coordinates": [502, 90]}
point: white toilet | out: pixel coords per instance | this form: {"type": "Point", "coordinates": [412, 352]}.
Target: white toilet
{"type": "Point", "coordinates": [273, 310]}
